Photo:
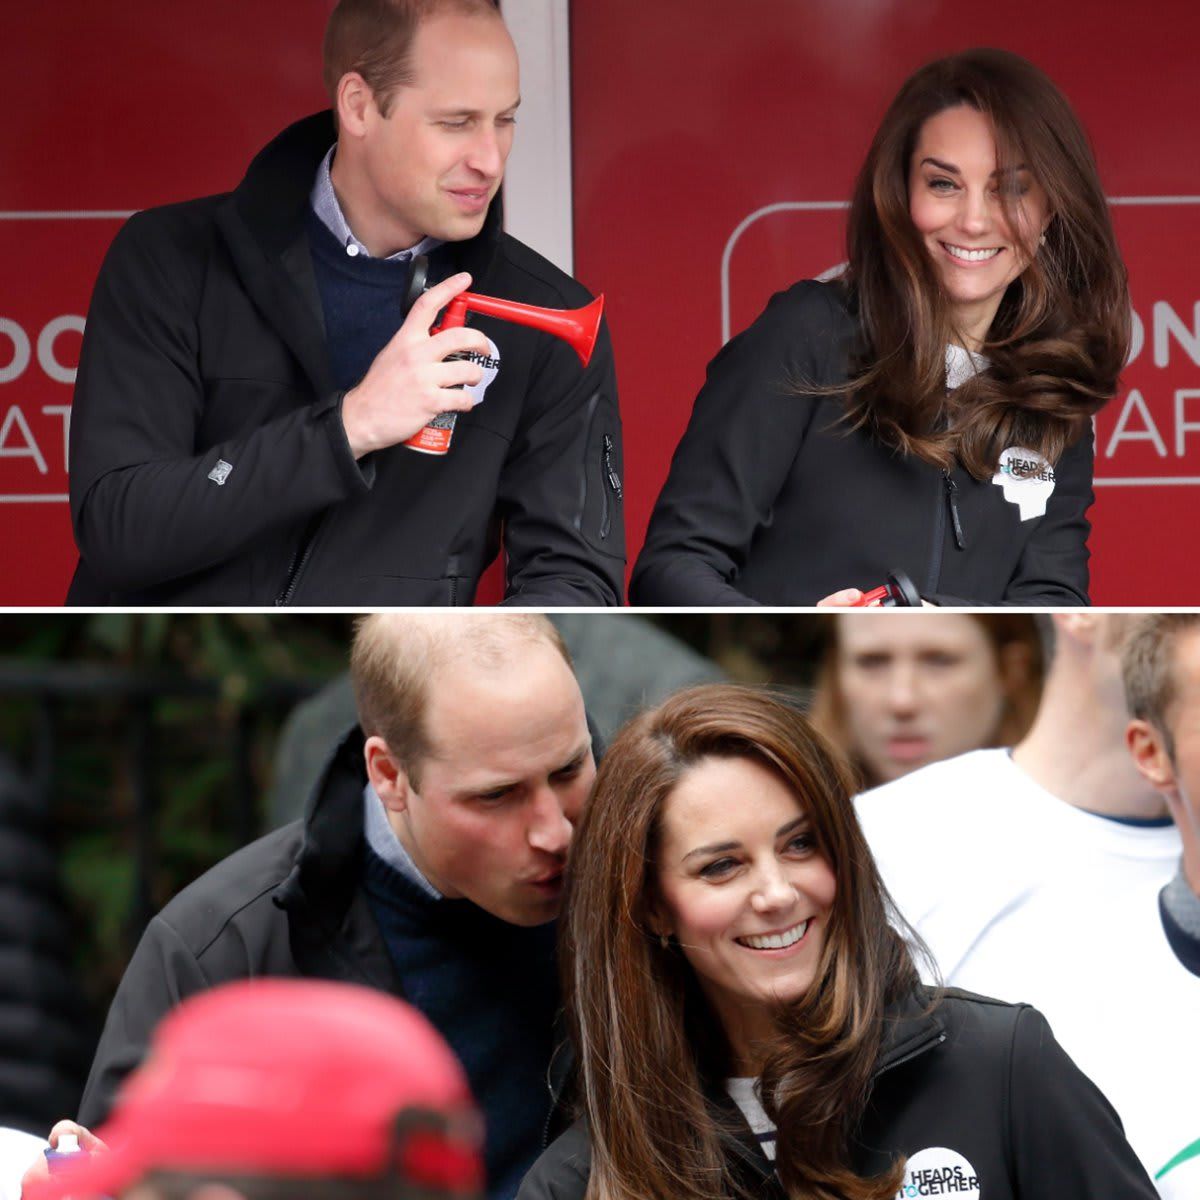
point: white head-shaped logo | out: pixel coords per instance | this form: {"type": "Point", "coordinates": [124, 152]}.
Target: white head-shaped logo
{"type": "Point", "coordinates": [1027, 479]}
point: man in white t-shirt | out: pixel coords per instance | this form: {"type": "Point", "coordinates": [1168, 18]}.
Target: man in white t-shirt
{"type": "Point", "coordinates": [1033, 875]}
{"type": "Point", "coordinates": [1161, 671]}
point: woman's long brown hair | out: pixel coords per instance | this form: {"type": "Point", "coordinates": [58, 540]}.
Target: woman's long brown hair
{"type": "Point", "coordinates": [1061, 336]}
{"type": "Point", "coordinates": [647, 1040]}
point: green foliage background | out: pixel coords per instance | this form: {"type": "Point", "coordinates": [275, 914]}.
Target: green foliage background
{"type": "Point", "coordinates": [213, 670]}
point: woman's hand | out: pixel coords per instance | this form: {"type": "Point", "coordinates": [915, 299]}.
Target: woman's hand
{"type": "Point", "coordinates": [846, 598]}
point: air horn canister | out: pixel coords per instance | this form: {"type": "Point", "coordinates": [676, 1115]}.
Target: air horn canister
{"type": "Point", "coordinates": [578, 327]}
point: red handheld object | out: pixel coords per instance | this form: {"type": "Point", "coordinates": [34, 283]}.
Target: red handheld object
{"type": "Point", "coordinates": [898, 592]}
{"type": "Point", "coordinates": [578, 327]}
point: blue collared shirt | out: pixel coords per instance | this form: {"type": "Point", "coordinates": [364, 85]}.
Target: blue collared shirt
{"type": "Point", "coordinates": [325, 204]}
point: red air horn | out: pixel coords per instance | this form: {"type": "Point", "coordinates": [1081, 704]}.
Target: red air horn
{"type": "Point", "coordinates": [898, 592]}
{"type": "Point", "coordinates": [578, 327]}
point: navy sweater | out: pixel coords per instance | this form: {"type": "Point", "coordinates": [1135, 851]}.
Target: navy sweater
{"type": "Point", "coordinates": [490, 988]}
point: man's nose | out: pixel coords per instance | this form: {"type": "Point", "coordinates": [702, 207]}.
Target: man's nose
{"type": "Point", "coordinates": [486, 154]}
{"type": "Point", "coordinates": [550, 828]}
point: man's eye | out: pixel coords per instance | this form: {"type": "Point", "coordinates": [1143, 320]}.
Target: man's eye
{"type": "Point", "coordinates": [569, 772]}
{"type": "Point", "coordinates": [506, 120]}
{"type": "Point", "coordinates": [494, 797]}
{"type": "Point", "coordinates": [453, 124]}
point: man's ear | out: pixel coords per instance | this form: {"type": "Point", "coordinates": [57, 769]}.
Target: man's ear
{"type": "Point", "coordinates": [354, 98]}
{"type": "Point", "coordinates": [387, 776]}
{"type": "Point", "coordinates": [1149, 752]}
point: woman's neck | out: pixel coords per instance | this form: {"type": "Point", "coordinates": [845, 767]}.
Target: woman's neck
{"type": "Point", "coordinates": [972, 321]}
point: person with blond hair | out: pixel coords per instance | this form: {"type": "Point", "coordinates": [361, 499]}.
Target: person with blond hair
{"type": "Point", "coordinates": [251, 377]}
{"type": "Point", "coordinates": [429, 865]}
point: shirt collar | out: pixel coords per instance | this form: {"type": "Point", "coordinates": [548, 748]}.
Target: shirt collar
{"type": "Point", "coordinates": [325, 204]}
{"type": "Point", "coordinates": [382, 839]}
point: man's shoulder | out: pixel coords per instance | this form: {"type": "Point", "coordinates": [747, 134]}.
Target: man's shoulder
{"type": "Point", "coordinates": [521, 272]}
{"type": "Point", "coordinates": [167, 237]}
{"type": "Point", "coordinates": [233, 890]}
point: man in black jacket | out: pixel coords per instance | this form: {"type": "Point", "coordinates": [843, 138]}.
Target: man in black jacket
{"type": "Point", "coordinates": [248, 377]}
{"type": "Point", "coordinates": [429, 865]}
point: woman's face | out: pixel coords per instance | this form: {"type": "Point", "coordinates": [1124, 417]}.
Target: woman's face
{"type": "Point", "coordinates": [743, 889]}
{"type": "Point", "coordinates": [916, 691]}
{"type": "Point", "coordinates": [954, 198]}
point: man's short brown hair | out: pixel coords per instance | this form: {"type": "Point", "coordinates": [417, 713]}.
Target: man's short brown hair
{"type": "Point", "coordinates": [375, 37]}
{"type": "Point", "coordinates": [394, 655]}
{"type": "Point", "coordinates": [1148, 668]}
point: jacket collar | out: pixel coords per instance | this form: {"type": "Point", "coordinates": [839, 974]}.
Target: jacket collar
{"type": "Point", "coordinates": [330, 926]}
{"type": "Point", "coordinates": [911, 1026]}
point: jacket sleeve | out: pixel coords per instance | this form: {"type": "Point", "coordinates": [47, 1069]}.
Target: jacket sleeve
{"type": "Point", "coordinates": [145, 506]}
{"type": "Point", "coordinates": [1067, 1140]}
{"type": "Point", "coordinates": [1054, 567]}
{"type": "Point", "coordinates": [161, 974]}
{"type": "Point", "coordinates": [745, 431]}
{"type": "Point", "coordinates": [560, 495]}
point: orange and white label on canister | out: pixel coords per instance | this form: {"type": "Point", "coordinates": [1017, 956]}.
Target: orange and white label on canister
{"type": "Point", "coordinates": [435, 437]}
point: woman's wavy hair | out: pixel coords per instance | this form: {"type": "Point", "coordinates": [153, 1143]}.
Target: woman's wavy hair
{"type": "Point", "coordinates": [1061, 335]}
{"type": "Point", "coordinates": [649, 1045]}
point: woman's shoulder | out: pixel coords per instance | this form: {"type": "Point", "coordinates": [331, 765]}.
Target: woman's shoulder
{"type": "Point", "coordinates": [819, 303]}
{"type": "Point", "coordinates": [561, 1171]}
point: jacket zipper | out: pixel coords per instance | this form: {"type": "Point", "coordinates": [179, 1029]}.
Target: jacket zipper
{"type": "Point", "coordinates": [589, 416]}
{"type": "Point", "coordinates": [614, 482]}
{"type": "Point", "coordinates": [960, 538]}
{"type": "Point", "coordinates": [299, 561]}
{"type": "Point", "coordinates": [926, 1045]}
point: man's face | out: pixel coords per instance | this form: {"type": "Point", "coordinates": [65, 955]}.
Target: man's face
{"type": "Point", "coordinates": [435, 162]}
{"type": "Point", "coordinates": [1184, 720]}
{"type": "Point", "coordinates": [509, 770]}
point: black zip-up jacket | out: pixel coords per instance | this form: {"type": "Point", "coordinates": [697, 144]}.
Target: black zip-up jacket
{"type": "Point", "coordinates": [975, 1082]}
{"type": "Point", "coordinates": [290, 904]}
{"type": "Point", "coordinates": [205, 344]}
{"type": "Point", "coordinates": [772, 499]}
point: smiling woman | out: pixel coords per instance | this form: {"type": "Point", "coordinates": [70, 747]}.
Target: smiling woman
{"type": "Point", "coordinates": [749, 1023]}
{"type": "Point", "coordinates": [931, 409]}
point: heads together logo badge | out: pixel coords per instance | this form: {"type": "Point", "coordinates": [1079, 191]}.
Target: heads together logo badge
{"type": "Point", "coordinates": [937, 1171]}
{"type": "Point", "coordinates": [1027, 479]}
{"type": "Point", "coordinates": [435, 437]}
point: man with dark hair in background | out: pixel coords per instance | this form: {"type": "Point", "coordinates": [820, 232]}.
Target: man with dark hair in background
{"type": "Point", "coordinates": [429, 864]}
{"type": "Point", "coordinates": [248, 379]}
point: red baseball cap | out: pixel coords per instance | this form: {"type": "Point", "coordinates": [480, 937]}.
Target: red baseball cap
{"type": "Point", "coordinates": [291, 1078]}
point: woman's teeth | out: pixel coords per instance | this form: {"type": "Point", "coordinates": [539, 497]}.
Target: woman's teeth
{"type": "Point", "coordinates": [776, 941]}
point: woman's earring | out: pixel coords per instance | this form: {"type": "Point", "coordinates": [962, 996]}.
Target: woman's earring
{"type": "Point", "coordinates": [1042, 240]}
{"type": "Point", "coordinates": [664, 940]}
